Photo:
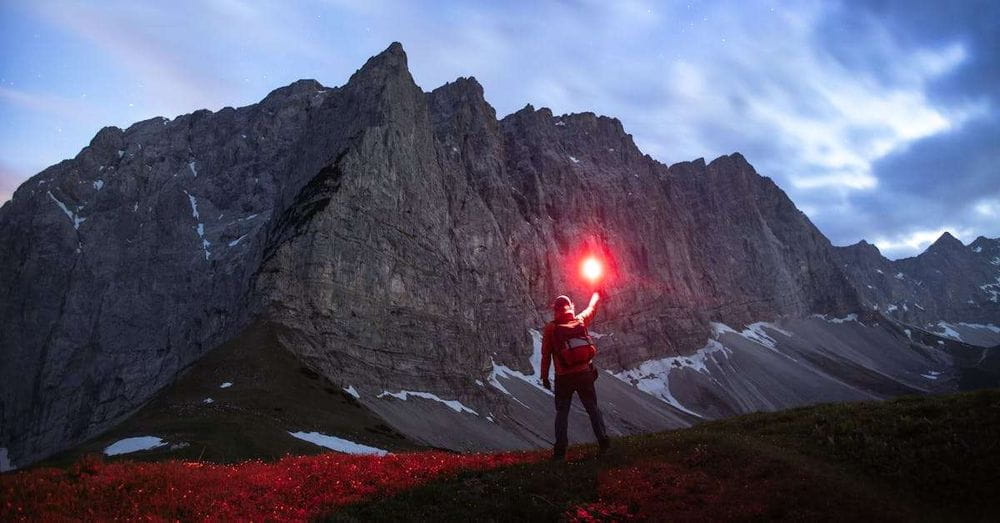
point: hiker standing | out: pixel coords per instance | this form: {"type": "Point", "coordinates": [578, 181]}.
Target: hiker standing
{"type": "Point", "coordinates": [566, 341]}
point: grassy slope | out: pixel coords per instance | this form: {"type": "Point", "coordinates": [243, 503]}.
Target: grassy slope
{"type": "Point", "coordinates": [272, 393]}
{"type": "Point", "coordinates": [909, 458]}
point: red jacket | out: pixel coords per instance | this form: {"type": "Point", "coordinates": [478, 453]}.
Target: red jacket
{"type": "Point", "coordinates": [548, 344]}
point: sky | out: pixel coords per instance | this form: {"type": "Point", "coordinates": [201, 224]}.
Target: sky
{"type": "Point", "coordinates": [881, 119]}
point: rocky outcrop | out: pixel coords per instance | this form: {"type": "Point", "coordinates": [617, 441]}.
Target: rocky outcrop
{"type": "Point", "coordinates": [401, 243]}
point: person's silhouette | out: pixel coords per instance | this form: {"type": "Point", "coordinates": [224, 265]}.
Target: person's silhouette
{"type": "Point", "coordinates": [574, 369]}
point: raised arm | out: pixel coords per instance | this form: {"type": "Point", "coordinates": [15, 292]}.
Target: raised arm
{"type": "Point", "coordinates": [588, 314]}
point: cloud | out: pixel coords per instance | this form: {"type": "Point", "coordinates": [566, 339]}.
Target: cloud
{"type": "Point", "coordinates": [131, 33]}
{"type": "Point", "coordinates": [916, 241]}
{"type": "Point", "coordinates": [58, 106]}
{"type": "Point", "coordinates": [879, 119]}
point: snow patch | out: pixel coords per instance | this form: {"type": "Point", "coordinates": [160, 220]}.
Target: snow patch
{"type": "Point", "coordinates": [719, 328]}
{"type": "Point", "coordinates": [338, 444]}
{"type": "Point", "coordinates": [879, 271]}
{"type": "Point", "coordinates": [455, 405]}
{"type": "Point", "coordinates": [352, 391]}
{"type": "Point", "coordinates": [849, 317]}
{"type": "Point", "coordinates": [73, 216]}
{"type": "Point", "coordinates": [235, 242]}
{"type": "Point", "coordinates": [908, 333]}
{"type": "Point", "coordinates": [193, 169]}
{"type": "Point", "coordinates": [121, 152]}
{"type": "Point", "coordinates": [136, 444]}
{"type": "Point", "coordinates": [200, 228]}
{"type": "Point", "coordinates": [949, 332]}
{"type": "Point", "coordinates": [226, 385]}
{"type": "Point", "coordinates": [194, 205]}
{"type": "Point", "coordinates": [977, 249]}
{"type": "Point", "coordinates": [507, 372]}
{"type": "Point", "coordinates": [98, 184]}
{"type": "Point", "coordinates": [653, 376]}
{"type": "Point", "coordinates": [931, 375]}
{"type": "Point", "coordinates": [900, 276]}
{"type": "Point", "coordinates": [891, 307]}
{"type": "Point", "coordinates": [993, 290]}
{"type": "Point", "coordinates": [560, 123]}
{"type": "Point", "coordinates": [208, 400]}
{"type": "Point", "coordinates": [755, 332]}
{"type": "Point", "coordinates": [573, 159]}
{"type": "Point", "coordinates": [988, 326]}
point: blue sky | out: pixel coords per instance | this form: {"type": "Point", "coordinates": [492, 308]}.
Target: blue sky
{"type": "Point", "coordinates": [879, 119]}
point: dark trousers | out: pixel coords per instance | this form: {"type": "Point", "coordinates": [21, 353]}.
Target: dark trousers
{"type": "Point", "coordinates": [583, 384]}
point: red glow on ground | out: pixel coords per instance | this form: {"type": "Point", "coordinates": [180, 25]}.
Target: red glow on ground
{"type": "Point", "coordinates": [295, 488]}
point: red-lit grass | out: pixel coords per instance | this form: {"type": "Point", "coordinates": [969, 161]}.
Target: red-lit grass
{"type": "Point", "coordinates": [292, 489]}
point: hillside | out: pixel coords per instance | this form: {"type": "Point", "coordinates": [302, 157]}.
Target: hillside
{"type": "Point", "coordinates": [913, 458]}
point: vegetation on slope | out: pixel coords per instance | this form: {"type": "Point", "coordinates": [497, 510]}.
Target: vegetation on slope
{"type": "Point", "coordinates": [905, 459]}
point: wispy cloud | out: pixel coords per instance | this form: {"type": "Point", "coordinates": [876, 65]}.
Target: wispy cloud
{"type": "Point", "coordinates": [54, 105]}
{"type": "Point", "coordinates": [130, 33]}
{"type": "Point", "coordinates": [879, 119]}
{"type": "Point", "coordinates": [915, 241]}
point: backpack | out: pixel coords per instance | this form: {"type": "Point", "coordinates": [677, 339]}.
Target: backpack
{"type": "Point", "coordinates": [574, 346]}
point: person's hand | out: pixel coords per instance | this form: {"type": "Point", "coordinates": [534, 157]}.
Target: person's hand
{"type": "Point", "coordinates": [546, 383]}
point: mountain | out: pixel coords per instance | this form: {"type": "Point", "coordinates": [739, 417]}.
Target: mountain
{"type": "Point", "coordinates": [405, 246]}
{"type": "Point", "coordinates": [950, 288]}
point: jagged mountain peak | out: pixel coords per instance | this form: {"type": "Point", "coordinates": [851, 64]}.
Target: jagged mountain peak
{"type": "Point", "coordinates": [734, 162]}
{"type": "Point", "coordinates": [946, 242]}
{"type": "Point", "coordinates": [462, 90]}
{"type": "Point", "coordinates": [983, 243]}
{"type": "Point", "coordinates": [297, 87]}
{"type": "Point", "coordinates": [867, 249]}
{"type": "Point", "coordinates": [461, 85]}
{"type": "Point", "coordinates": [390, 63]}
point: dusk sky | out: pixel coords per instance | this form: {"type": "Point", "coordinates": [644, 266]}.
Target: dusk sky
{"type": "Point", "coordinates": [881, 120]}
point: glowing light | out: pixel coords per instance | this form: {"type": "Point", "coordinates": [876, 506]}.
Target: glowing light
{"type": "Point", "coordinates": [592, 269]}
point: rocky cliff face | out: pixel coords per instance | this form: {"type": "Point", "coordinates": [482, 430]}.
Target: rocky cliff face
{"type": "Point", "coordinates": [395, 241]}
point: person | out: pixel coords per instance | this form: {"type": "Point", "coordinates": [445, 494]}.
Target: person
{"type": "Point", "coordinates": [570, 378]}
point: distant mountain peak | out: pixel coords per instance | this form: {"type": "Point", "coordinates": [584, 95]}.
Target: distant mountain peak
{"type": "Point", "coordinates": [864, 246]}
{"type": "Point", "coordinates": [946, 241]}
